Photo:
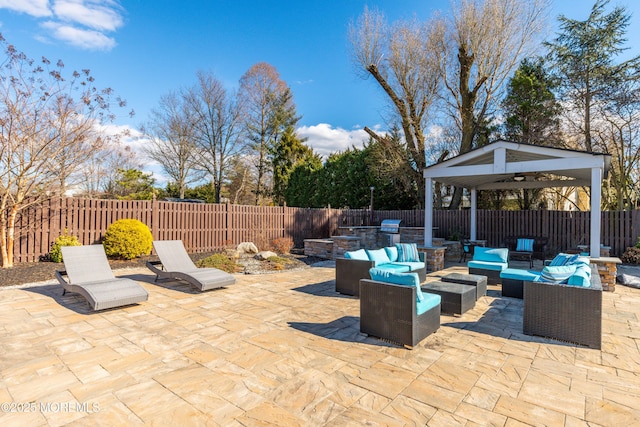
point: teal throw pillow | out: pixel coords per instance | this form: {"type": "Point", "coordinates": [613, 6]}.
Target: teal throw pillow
{"type": "Point", "coordinates": [392, 253]}
{"type": "Point", "coordinates": [524, 245]}
{"type": "Point", "coordinates": [408, 252]}
{"type": "Point", "coordinates": [378, 256]}
{"type": "Point", "coordinates": [360, 254]}
{"type": "Point", "coordinates": [405, 279]}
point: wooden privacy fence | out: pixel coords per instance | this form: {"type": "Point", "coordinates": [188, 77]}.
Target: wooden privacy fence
{"type": "Point", "coordinates": [210, 227]}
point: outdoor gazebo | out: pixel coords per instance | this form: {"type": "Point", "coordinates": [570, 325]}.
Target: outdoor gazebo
{"type": "Point", "coordinates": [510, 165]}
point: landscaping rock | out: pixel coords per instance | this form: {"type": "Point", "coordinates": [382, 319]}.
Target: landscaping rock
{"type": "Point", "coordinates": [247, 248]}
{"type": "Point", "coordinates": [264, 255]}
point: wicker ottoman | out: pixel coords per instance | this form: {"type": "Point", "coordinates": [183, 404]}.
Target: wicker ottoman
{"type": "Point", "coordinates": [477, 280]}
{"type": "Point", "coordinates": [456, 298]}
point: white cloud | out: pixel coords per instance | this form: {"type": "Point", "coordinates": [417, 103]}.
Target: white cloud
{"type": "Point", "coordinates": [81, 23]}
{"type": "Point", "coordinates": [37, 8]}
{"type": "Point", "coordinates": [325, 139]}
{"type": "Point", "coordinates": [79, 37]}
{"type": "Point", "coordinates": [99, 15]}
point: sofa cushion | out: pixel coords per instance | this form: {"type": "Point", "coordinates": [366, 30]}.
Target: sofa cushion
{"type": "Point", "coordinates": [394, 266]}
{"type": "Point", "coordinates": [378, 256]}
{"type": "Point", "coordinates": [524, 245]}
{"type": "Point", "coordinates": [405, 279]}
{"type": "Point", "coordinates": [430, 301]}
{"type": "Point", "coordinates": [562, 259]}
{"type": "Point", "coordinates": [360, 254]}
{"type": "Point", "coordinates": [481, 253]}
{"type": "Point", "coordinates": [424, 301]}
{"type": "Point", "coordinates": [518, 274]}
{"type": "Point", "coordinates": [558, 274]}
{"type": "Point", "coordinates": [413, 266]}
{"type": "Point", "coordinates": [581, 277]}
{"type": "Point", "coordinates": [488, 265]}
{"type": "Point", "coordinates": [408, 252]}
{"type": "Point", "coordinates": [392, 253]}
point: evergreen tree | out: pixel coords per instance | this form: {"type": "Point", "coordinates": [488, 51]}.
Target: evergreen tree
{"type": "Point", "coordinates": [583, 54]}
{"type": "Point", "coordinates": [530, 106]}
{"type": "Point", "coordinates": [288, 152]}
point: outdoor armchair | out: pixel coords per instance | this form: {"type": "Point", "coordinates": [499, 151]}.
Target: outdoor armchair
{"type": "Point", "coordinates": [89, 274]}
{"type": "Point", "coordinates": [176, 264]}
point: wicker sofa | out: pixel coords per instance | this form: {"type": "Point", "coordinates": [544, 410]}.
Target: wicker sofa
{"type": "Point", "coordinates": [394, 312]}
{"type": "Point", "coordinates": [564, 312]}
{"type": "Point", "coordinates": [350, 270]}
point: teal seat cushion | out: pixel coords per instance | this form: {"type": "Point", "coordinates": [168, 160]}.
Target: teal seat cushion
{"type": "Point", "coordinates": [392, 253]}
{"type": "Point", "coordinates": [378, 256]}
{"type": "Point", "coordinates": [430, 301]}
{"type": "Point", "coordinates": [488, 265]}
{"type": "Point", "coordinates": [413, 266]}
{"type": "Point", "coordinates": [581, 277]}
{"type": "Point", "coordinates": [518, 274]}
{"type": "Point", "coordinates": [481, 253]}
{"type": "Point", "coordinates": [404, 279]}
{"type": "Point", "coordinates": [395, 267]}
{"type": "Point", "coordinates": [557, 274]}
{"type": "Point", "coordinates": [360, 254]}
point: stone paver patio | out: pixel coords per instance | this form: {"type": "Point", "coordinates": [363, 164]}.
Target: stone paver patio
{"type": "Point", "coordinates": [285, 349]}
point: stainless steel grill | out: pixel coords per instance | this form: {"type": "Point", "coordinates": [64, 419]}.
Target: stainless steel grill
{"type": "Point", "coordinates": [390, 226]}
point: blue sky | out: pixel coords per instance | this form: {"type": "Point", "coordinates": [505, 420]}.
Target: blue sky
{"type": "Point", "coordinates": [146, 48]}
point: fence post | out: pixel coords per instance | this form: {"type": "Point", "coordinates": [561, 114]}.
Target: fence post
{"type": "Point", "coordinates": [155, 218]}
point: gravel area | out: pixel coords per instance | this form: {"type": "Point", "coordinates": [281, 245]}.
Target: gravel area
{"type": "Point", "coordinates": [32, 272]}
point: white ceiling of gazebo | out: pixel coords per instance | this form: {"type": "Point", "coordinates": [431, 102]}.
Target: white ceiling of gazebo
{"type": "Point", "coordinates": [495, 165]}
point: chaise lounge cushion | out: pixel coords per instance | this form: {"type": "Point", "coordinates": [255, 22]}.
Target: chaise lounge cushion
{"type": "Point", "coordinates": [424, 302]}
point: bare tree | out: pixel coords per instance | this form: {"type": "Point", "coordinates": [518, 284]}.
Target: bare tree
{"type": "Point", "coordinates": [217, 119]}
{"type": "Point", "coordinates": [171, 141]}
{"type": "Point", "coordinates": [269, 108]}
{"type": "Point", "coordinates": [97, 175]}
{"type": "Point", "coordinates": [480, 45]}
{"type": "Point", "coordinates": [48, 127]}
{"type": "Point", "coordinates": [403, 61]}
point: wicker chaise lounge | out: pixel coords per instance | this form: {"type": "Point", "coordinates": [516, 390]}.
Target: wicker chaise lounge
{"type": "Point", "coordinates": [176, 264]}
{"type": "Point", "coordinates": [89, 274]}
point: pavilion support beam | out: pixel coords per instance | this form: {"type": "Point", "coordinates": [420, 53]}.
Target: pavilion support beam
{"type": "Point", "coordinates": [596, 195]}
{"type": "Point", "coordinates": [428, 212]}
{"type": "Point", "coordinates": [474, 215]}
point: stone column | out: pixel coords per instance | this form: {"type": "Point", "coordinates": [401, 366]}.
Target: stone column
{"type": "Point", "coordinates": [608, 271]}
{"type": "Point", "coordinates": [433, 257]}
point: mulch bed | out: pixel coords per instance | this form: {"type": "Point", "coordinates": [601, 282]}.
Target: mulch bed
{"type": "Point", "coordinates": [31, 272]}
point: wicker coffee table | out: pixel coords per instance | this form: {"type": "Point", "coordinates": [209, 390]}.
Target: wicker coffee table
{"type": "Point", "coordinates": [456, 298]}
{"type": "Point", "coordinates": [477, 280]}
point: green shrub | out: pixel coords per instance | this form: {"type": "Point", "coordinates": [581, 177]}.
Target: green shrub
{"type": "Point", "coordinates": [65, 239]}
{"type": "Point", "coordinates": [127, 239]}
{"type": "Point", "coordinates": [631, 255]}
{"type": "Point", "coordinates": [219, 261]}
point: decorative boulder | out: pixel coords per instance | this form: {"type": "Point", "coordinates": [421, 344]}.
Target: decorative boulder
{"type": "Point", "coordinates": [247, 248]}
{"type": "Point", "coordinates": [264, 255]}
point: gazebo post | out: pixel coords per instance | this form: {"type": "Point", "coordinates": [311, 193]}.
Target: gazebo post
{"type": "Point", "coordinates": [474, 215]}
{"type": "Point", "coordinates": [596, 190]}
{"type": "Point", "coordinates": [428, 212]}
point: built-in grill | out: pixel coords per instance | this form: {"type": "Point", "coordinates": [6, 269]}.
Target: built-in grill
{"type": "Point", "coordinates": [390, 230]}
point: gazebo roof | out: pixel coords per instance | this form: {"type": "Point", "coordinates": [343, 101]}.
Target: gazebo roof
{"type": "Point", "coordinates": [506, 165]}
